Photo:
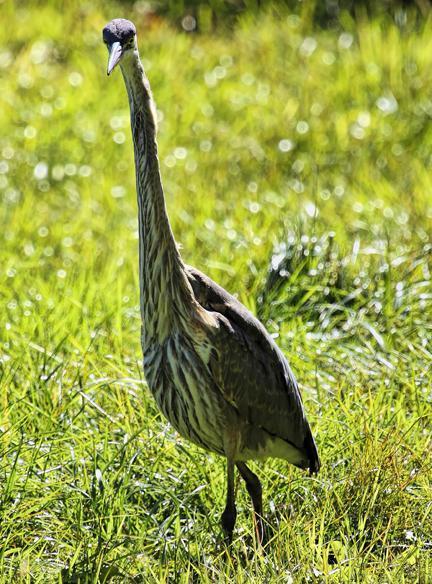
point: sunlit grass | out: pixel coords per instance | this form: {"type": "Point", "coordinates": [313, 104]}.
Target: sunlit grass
{"type": "Point", "coordinates": [297, 165]}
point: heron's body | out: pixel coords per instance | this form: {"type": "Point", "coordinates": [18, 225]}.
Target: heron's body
{"type": "Point", "coordinates": [215, 372]}
{"type": "Point", "coordinates": [185, 375]}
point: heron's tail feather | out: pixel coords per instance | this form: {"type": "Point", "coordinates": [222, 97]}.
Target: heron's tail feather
{"type": "Point", "coordinates": [311, 452]}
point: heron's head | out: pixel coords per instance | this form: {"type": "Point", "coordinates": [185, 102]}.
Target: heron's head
{"type": "Point", "coordinates": [119, 35]}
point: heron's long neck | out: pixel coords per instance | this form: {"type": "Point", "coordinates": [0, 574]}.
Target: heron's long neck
{"type": "Point", "coordinates": [166, 296]}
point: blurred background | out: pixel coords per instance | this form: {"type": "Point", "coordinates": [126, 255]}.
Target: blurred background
{"type": "Point", "coordinates": [295, 144]}
{"type": "Point", "coordinates": [276, 121]}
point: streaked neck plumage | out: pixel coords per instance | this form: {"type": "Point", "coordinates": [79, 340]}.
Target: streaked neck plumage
{"type": "Point", "coordinates": [166, 295]}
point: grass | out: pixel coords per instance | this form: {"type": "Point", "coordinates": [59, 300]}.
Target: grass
{"type": "Point", "coordinates": [297, 164]}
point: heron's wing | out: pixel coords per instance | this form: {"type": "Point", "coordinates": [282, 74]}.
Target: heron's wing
{"type": "Point", "coordinates": [251, 369]}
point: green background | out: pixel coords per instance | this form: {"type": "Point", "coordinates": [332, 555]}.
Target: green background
{"type": "Point", "coordinates": [295, 152]}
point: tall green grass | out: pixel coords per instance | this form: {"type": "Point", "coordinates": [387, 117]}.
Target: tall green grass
{"type": "Point", "coordinates": [297, 165]}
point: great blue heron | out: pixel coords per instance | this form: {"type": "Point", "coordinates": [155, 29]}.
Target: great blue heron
{"type": "Point", "coordinates": [215, 372]}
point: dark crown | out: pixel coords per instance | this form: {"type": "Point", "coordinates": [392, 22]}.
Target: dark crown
{"type": "Point", "coordinates": [118, 30]}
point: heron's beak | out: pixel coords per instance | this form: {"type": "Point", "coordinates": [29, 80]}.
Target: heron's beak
{"type": "Point", "coordinates": [115, 54]}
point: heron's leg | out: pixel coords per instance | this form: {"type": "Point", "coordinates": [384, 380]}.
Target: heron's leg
{"type": "Point", "coordinates": [230, 513]}
{"type": "Point", "coordinates": [254, 488]}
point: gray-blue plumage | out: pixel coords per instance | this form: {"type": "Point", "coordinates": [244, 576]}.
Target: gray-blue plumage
{"type": "Point", "coordinates": [254, 372]}
{"type": "Point", "coordinates": [118, 30]}
{"type": "Point", "coordinates": [214, 370]}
